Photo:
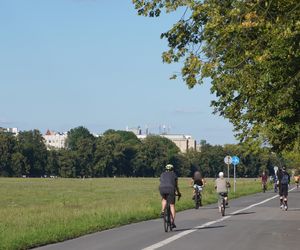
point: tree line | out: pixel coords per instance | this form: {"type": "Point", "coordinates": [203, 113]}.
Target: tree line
{"type": "Point", "coordinates": [121, 153]}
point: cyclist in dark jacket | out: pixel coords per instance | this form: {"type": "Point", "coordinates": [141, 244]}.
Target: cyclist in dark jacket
{"type": "Point", "coordinates": [169, 187]}
{"type": "Point", "coordinates": [284, 180]}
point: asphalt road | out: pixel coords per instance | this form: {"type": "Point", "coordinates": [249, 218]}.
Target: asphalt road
{"type": "Point", "coordinates": [252, 222]}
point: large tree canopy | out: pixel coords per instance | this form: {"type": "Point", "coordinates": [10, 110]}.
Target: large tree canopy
{"type": "Point", "coordinates": [250, 51]}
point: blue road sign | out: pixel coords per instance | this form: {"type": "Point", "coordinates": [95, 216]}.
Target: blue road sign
{"type": "Point", "coordinates": [235, 160]}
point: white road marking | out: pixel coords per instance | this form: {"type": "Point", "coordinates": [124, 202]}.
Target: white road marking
{"type": "Point", "coordinates": [180, 235]}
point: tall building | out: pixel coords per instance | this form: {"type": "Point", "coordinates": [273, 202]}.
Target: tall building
{"type": "Point", "coordinates": [55, 139]}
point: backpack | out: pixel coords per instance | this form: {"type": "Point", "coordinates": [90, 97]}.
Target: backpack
{"type": "Point", "coordinates": [285, 179]}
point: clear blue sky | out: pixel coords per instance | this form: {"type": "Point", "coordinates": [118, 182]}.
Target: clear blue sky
{"type": "Point", "coordinates": [95, 63]}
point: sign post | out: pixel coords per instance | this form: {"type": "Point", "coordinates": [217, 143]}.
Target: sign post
{"type": "Point", "coordinates": [228, 161]}
{"type": "Point", "coordinates": [235, 161]}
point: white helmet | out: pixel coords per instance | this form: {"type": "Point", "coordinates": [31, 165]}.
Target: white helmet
{"type": "Point", "coordinates": [221, 174]}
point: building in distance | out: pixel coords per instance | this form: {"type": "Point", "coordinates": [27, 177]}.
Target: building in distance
{"type": "Point", "coordinates": [55, 139]}
{"type": "Point", "coordinates": [182, 141]}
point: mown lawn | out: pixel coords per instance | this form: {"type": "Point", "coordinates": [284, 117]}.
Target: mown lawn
{"type": "Point", "coordinates": [40, 211]}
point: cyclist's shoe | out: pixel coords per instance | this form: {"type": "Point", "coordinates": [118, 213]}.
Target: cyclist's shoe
{"type": "Point", "coordinates": [285, 207]}
{"type": "Point", "coordinates": [173, 225]}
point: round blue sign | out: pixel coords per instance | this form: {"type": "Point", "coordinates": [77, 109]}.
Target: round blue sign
{"type": "Point", "coordinates": [235, 160]}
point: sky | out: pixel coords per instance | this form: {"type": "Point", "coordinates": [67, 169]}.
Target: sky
{"type": "Point", "coordinates": [97, 64]}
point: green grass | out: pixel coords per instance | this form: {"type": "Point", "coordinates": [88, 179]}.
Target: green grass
{"type": "Point", "coordinates": [34, 212]}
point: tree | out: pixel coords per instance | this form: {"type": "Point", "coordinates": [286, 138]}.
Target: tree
{"type": "Point", "coordinates": [67, 163]}
{"type": "Point", "coordinates": [52, 167]}
{"type": "Point", "coordinates": [7, 148]}
{"type": "Point", "coordinates": [18, 165]}
{"type": "Point", "coordinates": [74, 136]}
{"type": "Point", "coordinates": [251, 52]}
{"type": "Point", "coordinates": [115, 152]}
{"type": "Point", "coordinates": [31, 145]}
{"type": "Point", "coordinates": [155, 152]}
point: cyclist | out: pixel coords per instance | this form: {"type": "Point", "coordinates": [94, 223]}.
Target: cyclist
{"type": "Point", "coordinates": [198, 181]}
{"type": "Point", "coordinates": [169, 187]}
{"type": "Point", "coordinates": [279, 176]}
{"type": "Point", "coordinates": [284, 186]}
{"type": "Point", "coordinates": [221, 188]}
{"type": "Point", "coordinates": [264, 179]}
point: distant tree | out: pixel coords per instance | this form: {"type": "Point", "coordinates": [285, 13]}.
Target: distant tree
{"type": "Point", "coordinates": [7, 149]}
{"type": "Point", "coordinates": [31, 145]}
{"type": "Point", "coordinates": [74, 136]}
{"type": "Point", "coordinates": [115, 152]}
{"type": "Point", "coordinates": [67, 164]}
{"type": "Point", "coordinates": [18, 165]}
{"type": "Point", "coordinates": [84, 153]}
{"type": "Point", "coordinates": [155, 152]}
{"type": "Point", "coordinates": [52, 167]}
{"type": "Point", "coordinates": [182, 166]}
{"type": "Point", "coordinates": [193, 158]}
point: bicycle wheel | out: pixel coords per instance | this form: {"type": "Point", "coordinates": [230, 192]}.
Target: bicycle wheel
{"type": "Point", "coordinates": [169, 218]}
{"type": "Point", "coordinates": [165, 220]}
{"type": "Point", "coordinates": [223, 207]}
{"type": "Point", "coordinates": [197, 201]}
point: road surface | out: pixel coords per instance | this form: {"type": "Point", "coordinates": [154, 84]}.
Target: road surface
{"type": "Point", "coordinates": [252, 222]}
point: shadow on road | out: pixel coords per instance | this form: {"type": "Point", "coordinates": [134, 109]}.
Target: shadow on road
{"type": "Point", "coordinates": [242, 213]}
{"type": "Point", "coordinates": [294, 209]}
{"type": "Point", "coordinates": [209, 227]}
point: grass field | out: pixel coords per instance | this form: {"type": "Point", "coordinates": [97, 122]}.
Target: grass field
{"type": "Point", "coordinates": [40, 211]}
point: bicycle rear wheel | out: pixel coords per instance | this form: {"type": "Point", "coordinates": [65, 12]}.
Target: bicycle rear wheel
{"type": "Point", "coordinates": [169, 218]}
{"type": "Point", "coordinates": [165, 220]}
{"type": "Point", "coordinates": [197, 200]}
{"type": "Point", "coordinates": [223, 207]}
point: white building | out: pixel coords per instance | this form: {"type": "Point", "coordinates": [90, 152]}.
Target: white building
{"type": "Point", "coordinates": [183, 142]}
{"type": "Point", "coordinates": [55, 139]}
{"type": "Point", "coordinates": [14, 131]}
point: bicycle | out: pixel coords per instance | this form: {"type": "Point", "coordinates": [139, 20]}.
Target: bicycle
{"type": "Point", "coordinates": [198, 196]}
{"type": "Point", "coordinates": [167, 216]}
{"type": "Point", "coordinates": [223, 203]}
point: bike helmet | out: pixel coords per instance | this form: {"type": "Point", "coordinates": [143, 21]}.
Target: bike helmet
{"type": "Point", "coordinates": [169, 167]}
{"type": "Point", "coordinates": [221, 174]}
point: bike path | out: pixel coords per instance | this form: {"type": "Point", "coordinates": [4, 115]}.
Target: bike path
{"type": "Point", "coordinates": [265, 224]}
